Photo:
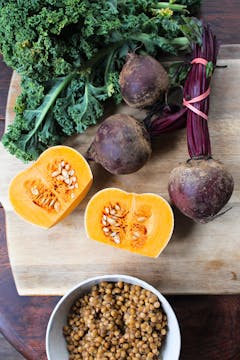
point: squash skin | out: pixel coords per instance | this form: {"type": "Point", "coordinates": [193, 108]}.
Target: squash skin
{"type": "Point", "coordinates": [40, 173]}
{"type": "Point", "coordinates": [159, 222]}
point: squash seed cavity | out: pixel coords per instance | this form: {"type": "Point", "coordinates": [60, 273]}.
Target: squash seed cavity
{"type": "Point", "coordinates": [114, 222]}
{"type": "Point", "coordinates": [63, 178]}
{"type": "Point", "coordinates": [115, 226]}
{"type": "Point", "coordinates": [42, 196]}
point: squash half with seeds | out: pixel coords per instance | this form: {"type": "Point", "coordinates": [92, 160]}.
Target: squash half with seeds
{"type": "Point", "coordinates": [52, 187]}
{"type": "Point", "coordinates": [140, 223]}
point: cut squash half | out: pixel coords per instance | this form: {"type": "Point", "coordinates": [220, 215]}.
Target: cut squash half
{"type": "Point", "coordinates": [140, 223]}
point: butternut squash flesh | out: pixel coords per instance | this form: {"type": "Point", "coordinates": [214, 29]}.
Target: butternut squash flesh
{"type": "Point", "coordinates": [52, 187]}
{"type": "Point", "coordinates": [140, 223]}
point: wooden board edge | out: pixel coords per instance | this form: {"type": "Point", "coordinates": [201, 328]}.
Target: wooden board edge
{"type": "Point", "coordinates": [229, 51]}
{"type": "Point", "coordinates": [13, 93]}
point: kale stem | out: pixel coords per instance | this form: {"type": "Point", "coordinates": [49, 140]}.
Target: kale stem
{"type": "Point", "coordinates": [108, 65]}
{"type": "Point", "coordinates": [102, 53]}
{"type": "Point", "coordinates": [48, 105]}
{"type": "Point", "coordinates": [143, 37]}
{"type": "Point", "coordinates": [168, 5]}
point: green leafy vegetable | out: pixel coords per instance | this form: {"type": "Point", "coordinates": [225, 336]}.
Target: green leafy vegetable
{"type": "Point", "coordinates": [69, 54]}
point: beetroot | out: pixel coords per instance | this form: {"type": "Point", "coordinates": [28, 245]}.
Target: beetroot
{"type": "Point", "coordinates": [202, 186]}
{"type": "Point", "coordinates": [142, 80]}
{"type": "Point", "coordinates": [121, 145]}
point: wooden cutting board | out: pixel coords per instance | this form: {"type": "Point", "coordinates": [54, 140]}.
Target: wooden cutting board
{"type": "Point", "coordinates": [198, 259]}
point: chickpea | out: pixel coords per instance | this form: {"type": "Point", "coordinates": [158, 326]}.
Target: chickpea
{"type": "Point", "coordinates": [120, 284]}
{"type": "Point", "coordinates": [106, 345]}
{"type": "Point", "coordinates": [150, 356]}
{"type": "Point", "coordinates": [163, 332]}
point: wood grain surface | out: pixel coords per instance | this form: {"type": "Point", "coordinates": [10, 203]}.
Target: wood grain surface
{"type": "Point", "coordinates": [209, 324]}
{"type": "Point", "coordinates": [50, 262]}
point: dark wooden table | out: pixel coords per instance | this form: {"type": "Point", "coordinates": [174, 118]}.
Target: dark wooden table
{"type": "Point", "coordinates": [210, 325]}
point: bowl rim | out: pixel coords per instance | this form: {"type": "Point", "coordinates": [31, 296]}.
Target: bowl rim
{"type": "Point", "coordinates": [164, 302]}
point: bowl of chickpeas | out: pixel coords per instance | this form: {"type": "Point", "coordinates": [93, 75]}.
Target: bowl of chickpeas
{"type": "Point", "coordinates": [113, 317]}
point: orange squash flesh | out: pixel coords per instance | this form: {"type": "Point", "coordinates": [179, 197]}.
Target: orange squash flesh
{"type": "Point", "coordinates": [140, 223]}
{"type": "Point", "coordinates": [52, 187]}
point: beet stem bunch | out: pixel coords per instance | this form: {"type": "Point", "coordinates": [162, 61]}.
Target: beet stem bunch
{"type": "Point", "coordinates": [197, 83]}
{"type": "Point", "coordinates": [202, 186]}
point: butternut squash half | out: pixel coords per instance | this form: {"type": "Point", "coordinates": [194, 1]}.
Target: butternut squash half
{"type": "Point", "coordinates": [140, 223]}
{"type": "Point", "coordinates": [52, 187]}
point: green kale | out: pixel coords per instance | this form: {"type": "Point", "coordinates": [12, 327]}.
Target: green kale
{"type": "Point", "coordinates": [81, 46]}
{"type": "Point", "coordinates": [45, 39]}
{"type": "Point", "coordinates": [81, 106]}
{"type": "Point", "coordinates": [33, 129]}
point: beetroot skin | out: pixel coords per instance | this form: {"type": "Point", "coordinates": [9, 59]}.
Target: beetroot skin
{"type": "Point", "coordinates": [200, 188]}
{"type": "Point", "coordinates": [121, 145]}
{"type": "Point", "coordinates": [142, 80]}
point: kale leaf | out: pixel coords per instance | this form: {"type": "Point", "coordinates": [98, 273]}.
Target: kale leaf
{"type": "Point", "coordinates": [69, 54]}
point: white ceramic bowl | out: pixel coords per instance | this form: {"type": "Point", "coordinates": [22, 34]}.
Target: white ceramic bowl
{"type": "Point", "coordinates": [55, 341]}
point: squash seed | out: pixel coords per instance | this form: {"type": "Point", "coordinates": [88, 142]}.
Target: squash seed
{"type": "Point", "coordinates": [113, 234]}
{"type": "Point", "coordinates": [141, 219]}
{"type": "Point", "coordinates": [111, 221]}
{"type": "Point", "coordinates": [57, 206]}
{"type": "Point", "coordinates": [52, 202]}
{"type": "Point", "coordinates": [46, 201]}
{"type": "Point", "coordinates": [56, 173]}
{"type": "Point", "coordinates": [117, 224]}
{"type": "Point", "coordinates": [136, 234]}
{"type": "Point", "coordinates": [60, 178]}
{"type": "Point", "coordinates": [116, 239]}
{"type": "Point", "coordinates": [34, 190]}
{"type": "Point", "coordinates": [65, 173]}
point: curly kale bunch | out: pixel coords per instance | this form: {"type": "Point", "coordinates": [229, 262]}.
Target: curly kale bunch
{"type": "Point", "coordinates": [69, 54]}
